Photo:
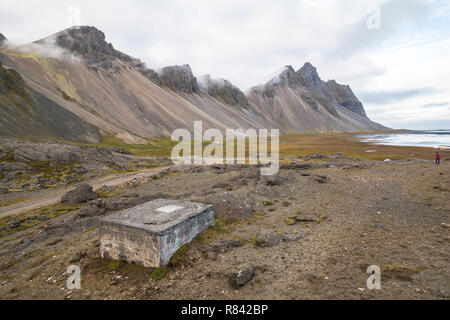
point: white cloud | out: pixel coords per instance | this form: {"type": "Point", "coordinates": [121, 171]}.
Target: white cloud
{"type": "Point", "coordinates": [246, 41]}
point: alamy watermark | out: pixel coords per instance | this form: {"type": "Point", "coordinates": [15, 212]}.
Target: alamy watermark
{"type": "Point", "coordinates": [374, 280]}
{"type": "Point", "coordinates": [373, 21]}
{"type": "Point", "coordinates": [235, 144]}
{"type": "Point", "coordinates": [74, 280]}
{"type": "Point", "coordinates": [73, 16]}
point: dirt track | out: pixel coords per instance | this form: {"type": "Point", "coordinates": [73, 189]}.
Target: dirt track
{"type": "Point", "coordinates": [54, 196]}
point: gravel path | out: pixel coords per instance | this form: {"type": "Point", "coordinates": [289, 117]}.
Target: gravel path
{"type": "Point", "coordinates": [55, 195]}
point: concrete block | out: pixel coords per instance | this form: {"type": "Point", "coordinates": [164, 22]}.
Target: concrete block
{"type": "Point", "coordinates": [149, 234]}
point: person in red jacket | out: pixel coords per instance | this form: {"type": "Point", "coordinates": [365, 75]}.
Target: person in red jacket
{"type": "Point", "coordinates": [438, 157]}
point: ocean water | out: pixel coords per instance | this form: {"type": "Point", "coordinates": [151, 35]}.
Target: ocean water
{"type": "Point", "coordinates": [427, 138]}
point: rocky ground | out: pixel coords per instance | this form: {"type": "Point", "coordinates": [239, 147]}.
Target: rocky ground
{"type": "Point", "coordinates": [27, 167]}
{"type": "Point", "coordinates": [309, 232]}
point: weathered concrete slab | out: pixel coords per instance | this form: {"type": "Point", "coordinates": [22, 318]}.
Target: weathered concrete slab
{"type": "Point", "coordinates": [149, 234]}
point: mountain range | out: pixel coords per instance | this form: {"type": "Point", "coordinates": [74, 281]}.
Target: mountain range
{"type": "Point", "coordinates": [75, 86]}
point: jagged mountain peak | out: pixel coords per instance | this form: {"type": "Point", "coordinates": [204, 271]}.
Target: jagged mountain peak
{"type": "Point", "coordinates": [86, 35]}
{"type": "Point", "coordinates": [117, 99]}
{"type": "Point", "coordinates": [223, 90]}
{"type": "Point", "coordinates": [89, 43]}
{"type": "Point", "coordinates": [309, 73]}
{"type": "Point", "coordinates": [2, 41]}
{"type": "Point", "coordinates": [185, 68]}
{"type": "Point", "coordinates": [283, 71]}
{"type": "Point", "coordinates": [330, 94]}
{"type": "Point", "coordinates": [178, 78]}
{"type": "Point", "coordinates": [285, 74]}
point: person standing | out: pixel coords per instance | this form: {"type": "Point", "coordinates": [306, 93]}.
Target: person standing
{"type": "Point", "coordinates": [438, 157]}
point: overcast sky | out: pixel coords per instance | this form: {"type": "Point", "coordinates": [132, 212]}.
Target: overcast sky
{"type": "Point", "coordinates": [395, 54]}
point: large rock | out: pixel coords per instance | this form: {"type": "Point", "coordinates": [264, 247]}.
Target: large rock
{"type": "Point", "coordinates": [232, 206]}
{"type": "Point", "coordinates": [321, 178]}
{"type": "Point", "coordinates": [60, 152]}
{"type": "Point", "coordinates": [296, 165]}
{"type": "Point", "coordinates": [268, 238]}
{"type": "Point", "coordinates": [306, 218]}
{"type": "Point", "coordinates": [92, 210]}
{"type": "Point", "coordinates": [81, 194]}
{"type": "Point", "coordinates": [293, 237]}
{"type": "Point", "coordinates": [274, 180]}
{"type": "Point", "coordinates": [241, 276]}
{"type": "Point", "coordinates": [14, 166]}
{"type": "Point", "coordinates": [10, 176]}
{"type": "Point", "coordinates": [221, 246]}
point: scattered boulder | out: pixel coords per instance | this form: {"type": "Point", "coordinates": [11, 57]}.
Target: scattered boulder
{"type": "Point", "coordinates": [274, 180]}
{"type": "Point", "coordinates": [39, 179]}
{"type": "Point", "coordinates": [241, 276]}
{"type": "Point", "coordinates": [268, 238]}
{"type": "Point", "coordinates": [10, 176]}
{"type": "Point", "coordinates": [14, 224]}
{"type": "Point", "coordinates": [295, 166]}
{"type": "Point", "coordinates": [318, 156]}
{"type": "Point", "coordinates": [4, 190]}
{"type": "Point", "coordinates": [14, 166]}
{"type": "Point", "coordinates": [338, 155]}
{"type": "Point", "coordinates": [221, 185]}
{"type": "Point", "coordinates": [306, 174]}
{"type": "Point", "coordinates": [81, 194]}
{"type": "Point", "coordinates": [292, 237]}
{"type": "Point", "coordinates": [321, 178]}
{"type": "Point", "coordinates": [41, 153]}
{"type": "Point", "coordinates": [231, 206]}
{"type": "Point", "coordinates": [120, 150]}
{"type": "Point", "coordinates": [78, 257]}
{"type": "Point", "coordinates": [92, 210]}
{"type": "Point", "coordinates": [221, 246]}
{"type": "Point", "coordinates": [306, 218]}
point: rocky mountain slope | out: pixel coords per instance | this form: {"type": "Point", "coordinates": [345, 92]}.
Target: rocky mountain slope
{"type": "Point", "coordinates": [25, 112]}
{"type": "Point", "coordinates": [336, 93]}
{"type": "Point", "coordinates": [299, 101]}
{"type": "Point", "coordinates": [74, 79]}
{"type": "Point", "coordinates": [116, 93]}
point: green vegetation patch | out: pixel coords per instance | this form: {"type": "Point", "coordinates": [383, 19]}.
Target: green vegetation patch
{"type": "Point", "coordinates": [33, 218]}
{"type": "Point", "coordinates": [114, 265]}
{"type": "Point", "coordinates": [159, 273]}
{"type": "Point", "coordinates": [400, 272]}
{"type": "Point", "coordinates": [178, 256]}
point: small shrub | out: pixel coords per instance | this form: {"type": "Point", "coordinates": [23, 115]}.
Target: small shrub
{"type": "Point", "coordinates": [114, 265]}
{"type": "Point", "coordinates": [159, 273]}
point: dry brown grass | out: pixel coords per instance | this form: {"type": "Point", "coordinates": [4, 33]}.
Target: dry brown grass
{"type": "Point", "coordinates": [351, 146]}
